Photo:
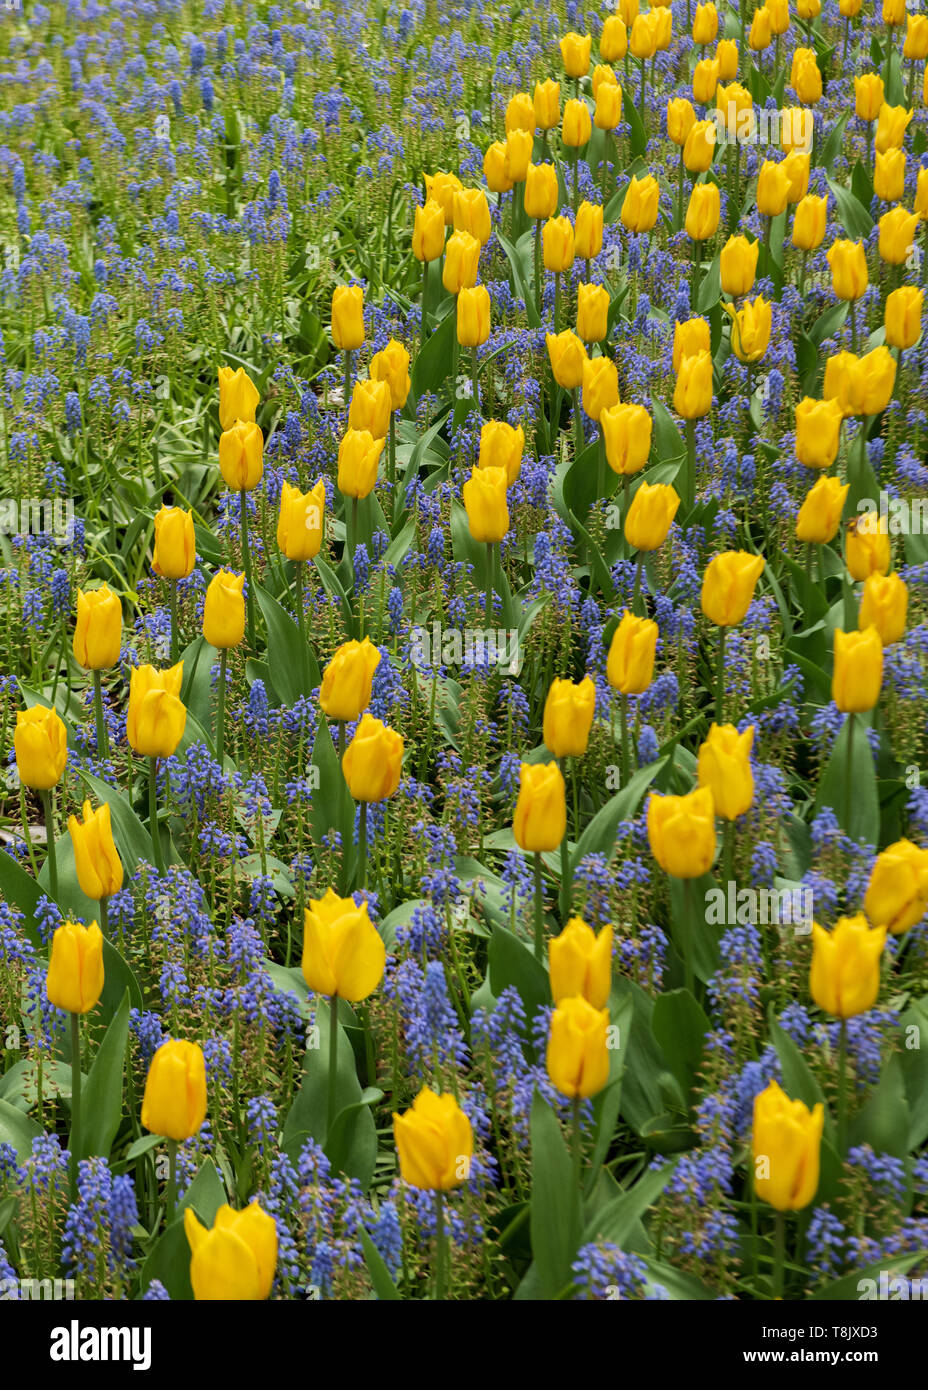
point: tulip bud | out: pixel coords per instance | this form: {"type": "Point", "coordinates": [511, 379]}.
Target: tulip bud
{"type": "Point", "coordinates": [540, 191]}
{"type": "Point", "coordinates": [680, 119]}
{"type": "Point", "coordinates": [299, 527]}
{"type": "Point", "coordinates": [797, 126]}
{"type": "Point", "coordinates": [724, 767]}
{"type": "Point", "coordinates": [867, 546]}
{"type": "Point", "coordinates": [779, 16]}
{"type": "Point", "coordinates": [705, 24]}
{"type": "Point", "coordinates": [156, 717]}
{"type": "Point", "coordinates": [557, 244]}
{"type": "Point", "coordinates": [809, 222]}
{"type": "Point", "coordinates": [434, 1142]}
{"type": "Point", "coordinates": [580, 964]}
{"type": "Point", "coordinates": [706, 76]}
{"type": "Point", "coordinates": [738, 265]}
{"type": "Point", "coordinates": [496, 168]}
{"type": "Point", "coordinates": [241, 456]}
{"type": "Point", "coordinates": [796, 168]}
{"type": "Point", "coordinates": [681, 832]}
{"type": "Point", "coordinates": [520, 113]}
{"type": "Point", "coordinates": [348, 317]}
{"type": "Point", "coordinates": [472, 213]}
{"type": "Point", "coordinates": [897, 894]}
{"type": "Point", "coordinates": [74, 981]}
{"type": "Point", "coordinates": [547, 104]}
{"type": "Point", "coordinates": [750, 329]}
{"type": "Point", "coordinates": [884, 606]}
{"type": "Point", "coordinates": [820, 514]}
{"type": "Point", "coordinates": [868, 96]}
{"type": "Point", "coordinates": [894, 12]}
{"type": "Point", "coordinates": [592, 313]}
{"type": "Point", "coordinates": [358, 461]}
{"type": "Point", "coordinates": [567, 356]}
{"type": "Point", "coordinates": [238, 397]}
{"type": "Point", "coordinates": [224, 610]}
{"type": "Point", "coordinates": [600, 386]}
{"type": "Point", "coordinates": [844, 978]}
{"type": "Point", "coordinates": [98, 632]}
{"type": "Point", "coordinates": [484, 497]}
{"type": "Point", "coordinates": [702, 213]}
{"type": "Point", "coordinates": [728, 585]}
{"type": "Point", "coordinates": [96, 860]}
{"type": "Point", "coordinates": [627, 433]}
{"type": "Point", "coordinates": [642, 41]}
{"type": "Point", "coordinates": [759, 36]}
{"type": "Point", "coordinates": [462, 260]}
{"type": "Point", "coordinates": [892, 123]}
{"type": "Point", "coordinates": [772, 189]}
{"type": "Point", "coordinates": [568, 717]}
{"type": "Point", "coordinates": [692, 397]}
{"type": "Point", "coordinates": [346, 681]}
{"type": "Point", "coordinates": [603, 73]}
{"type": "Point", "coordinates": [800, 55]}
{"type": "Point", "coordinates": [442, 187]}
{"type": "Point", "coordinates": [519, 144]}
{"type": "Point", "coordinates": [576, 126]}
{"type": "Point", "coordinates": [175, 549]}
{"type": "Point", "coordinates": [689, 338]}
{"type": "Point", "coordinates": [897, 235]}
{"type": "Point", "coordinates": [428, 233]}
{"type": "Point", "coordinates": [700, 147]}
{"type": "Point", "coordinates": [575, 54]}
{"type": "Point", "coordinates": [841, 385]}
{"type": "Point", "coordinates": [343, 953]}
{"type": "Point", "coordinates": [650, 515]}
{"type": "Point", "coordinates": [628, 10]}
{"type": "Point", "coordinates": [613, 41]}
{"type": "Point", "coordinates": [874, 381]}
{"type": "Point", "coordinates": [786, 1148]}
{"type": "Point", "coordinates": [848, 269]}
{"type": "Point", "coordinates": [726, 55]}
{"type": "Point", "coordinates": [540, 818]}
{"type": "Point", "coordinates": [858, 670]}
{"type": "Point", "coordinates": [588, 231]}
{"type": "Point", "coordinates": [371, 407]}
{"type": "Point", "coordinates": [915, 46]}
{"type": "Point", "coordinates": [808, 83]}
{"type": "Point", "coordinates": [40, 742]}
{"type": "Point", "coordinates": [501, 447]}
{"type": "Point", "coordinates": [889, 176]}
{"type": "Point", "coordinates": [630, 663]}
{"type": "Point", "coordinates": [373, 761]}
{"type": "Point", "coordinates": [641, 204]}
{"type": "Point", "coordinates": [391, 365]}
{"type": "Point", "coordinates": [235, 1260]}
{"type": "Point", "coordinates": [174, 1103]}
{"type": "Point", "coordinates": [608, 112]}
{"type": "Point", "coordinates": [903, 317]}
{"type": "Point", "coordinates": [577, 1058]}
{"type": "Point", "coordinates": [735, 111]}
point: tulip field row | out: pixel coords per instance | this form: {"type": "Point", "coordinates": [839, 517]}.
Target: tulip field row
{"type": "Point", "coordinates": [464, 611]}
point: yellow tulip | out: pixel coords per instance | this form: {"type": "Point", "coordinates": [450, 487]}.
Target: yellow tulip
{"type": "Point", "coordinates": [650, 515]}
{"type": "Point", "coordinates": [786, 1147]}
{"type": "Point", "coordinates": [557, 244]}
{"type": "Point", "coordinates": [818, 431]}
{"type": "Point", "coordinates": [642, 41]}
{"type": "Point", "coordinates": [224, 610]}
{"type": "Point", "coordinates": [547, 104]}
{"type": "Point", "coordinates": [681, 832]}
{"type": "Point", "coordinates": [484, 497]}
{"type": "Point", "coordinates": [808, 82]}
{"type": "Point", "coordinates": [577, 1057]}
{"type": "Point", "coordinates": [575, 54]}
{"type": "Point", "coordinates": [299, 526]}
{"type": "Point", "coordinates": [174, 1103]}
{"type": "Point", "coordinates": [690, 337]}
{"type": "Point", "coordinates": [96, 860]}
{"type": "Point", "coordinates": [373, 761]}
{"type": "Point", "coordinates": [473, 316]}
{"type": "Point", "coordinates": [692, 396]}
{"type": "Point", "coordinates": [613, 41]}
{"type": "Point", "coordinates": [580, 964]}
{"type": "Point", "coordinates": [779, 16]}
{"type": "Point", "coordinates": [519, 144]}
{"type": "Point", "coordinates": [462, 261]}
{"type": "Point", "coordinates": [848, 269]}
{"type": "Point", "coordinates": [889, 176]}
{"type": "Point", "coordinates": [236, 1260]}
{"type": "Point", "coordinates": [705, 24]}
{"type": "Point", "coordinates": [809, 222]}
{"type": "Point", "coordinates": [868, 547]}
{"type": "Point", "coordinates": [680, 119]}
{"type": "Point", "coordinates": [894, 12]}
{"type": "Point", "coordinates": [496, 168]}
{"type": "Point", "coordinates": [241, 456]}
{"type": "Point", "coordinates": [600, 386]}
{"type": "Point", "coordinates": [700, 147]}
{"type": "Point", "coordinates": [74, 981]}
{"type": "Point", "coordinates": [540, 191]}
{"type": "Point", "coordinates": [842, 373]}
{"type": "Point", "coordinates": [343, 953]}
{"type": "Point", "coordinates": [641, 204]}
{"type": "Point", "coordinates": [434, 1142]}
{"type": "Point", "coordinates": [630, 663]}
{"type": "Point", "coordinates": [540, 817]}
{"type": "Point", "coordinates": [358, 460]}
{"type": "Point", "coordinates": [874, 381]}
{"type": "Point", "coordinates": [897, 894]}
{"type": "Point", "coordinates": [608, 113]}
{"type": "Point", "coordinates": [98, 632]}
{"type": "Point", "coordinates": [603, 74]}
{"type": "Point", "coordinates": [892, 123]}
{"type": "Point", "coordinates": [760, 33]}
{"type": "Point", "coordinates": [772, 189]}
{"type": "Point", "coordinates": [921, 194]}
{"type": "Point", "coordinates": [627, 434]}
{"type": "Point", "coordinates": [441, 187]}
{"type": "Point", "coordinates": [175, 549]}
{"type": "Point", "coordinates": [346, 681]}
{"type": "Point", "coordinates": [520, 113]}
{"type": "Point", "coordinates": [706, 75]}
{"type": "Point", "coordinates": [897, 235]}
{"type": "Point", "coordinates": [702, 213]}
{"type": "Point", "coordinates": [501, 446]}
{"type": "Point", "coordinates": [592, 313]}
{"type": "Point", "coordinates": [734, 110]}
{"type": "Point", "coordinates": [728, 585]}
{"type": "Point", "coordinates": [858, 670]}
{"type": "Point", "coordinates": [796, 130]}
{"type": "Point", "coordinates": [576, 126]}
{"type": "Point", "coordinates": [844, 978]}
{"type": "Point", "coordinates": [738, 265]}
{"type": "Point", "coordinates": [726, 55]}
{"type": "Point", "coordinates": [391, 365]}
{"type": "Point", "coordinates": [884, 606]}
{"type": "Point", "coordinates": [472, 213]}
{"type": "Point", "coordinates": [567, 356]}
{"type": "Point", "coordinates": [428, 233]}
{"type": "Point", "coordinates": [750, 329]}
{"type": "Point", "coordinates": [588, 231]}
{"type": "Point", "coordinates": [347, 317]}
{"type": "Point", "coordinates": [40, 742]}
{"type": "Point", "coordinates": [156, 716]}
{"type": "Point", "coordinates": [916, 37]}
{"type": "Point", "coordinates": [796, 167]}
{"type": "Point", "coordinates": [903, 316]}
{"type": "Point", "coordinates": [568, 717]}
{"type": "Point", "coordinates": [868, 96]}
{"type": "Point", "coordinates": [724, 766]}
{"type": "Point", "coordinates": [371, 407]}
{"type": "Point", "coordinates": [238, 397]}
{"type": "Point", "coordinates": [820, 514]}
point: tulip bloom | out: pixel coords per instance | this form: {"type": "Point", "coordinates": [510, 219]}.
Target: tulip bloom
{"type": "Point", "coordinates": [540, 191]}
{"type": "Point", "coordinates": [358, 462]}
{"type": "Point", "coordinates": [434, 1142]}
{"type": "Point", "coordinates": [442, 187]}
{"type": "Point", "coordinates": [884, 606]}
{"type": "Point", "coordinates": [518, 155]}
{"type": "Point", "coordinates": [702, 213]}
{"type": "Point", "coordinates": [236, 1259]}
{"type": "Point", "coordinates": [74, 981]}
{"type": "Point", "coordinates": [630, 662]}
{"type": "Point", "coordinates": [567, 356]}
{"type": "Point", "coordinates": [588, 230]}
{"type": "Point", "coordinates": [299, 526]}
{"type": "Point", "coordinates": [224, 610]}
{"type": "Point", "coordinates": [462, 259]}
{"type": "Point", "coordinates": [728, 585]}
{"type": "Point", "coordinates": [626, 430]}
{"type": "Point", "coordinates": [726, 56]}
{"type": "Point", "coordinates": [690, 337]}
{"type": "Point", "coordinates": [472, 213]}
{"type": "Point", "coordinates": [844, 978]}
{"type": "Point", "coordinates": [241, 456]}
{"type": "Point", "coordinates": [724, 766]}
{"type": "Point", "coordinates": [347, 679]}
{"type": "Point", "coordinates": [520, 113]}
{"type": "Point", "coordinates": [343, 953]}
{"type": "Point", "coordinates": [889, 176]}
{"type": "Point", "coordinates": [580, 963]}
{"type": "Point", "coordinates": [641, 204]}
{"type": "Point", "coordinates": [680, 119]}
{"type": "Point", "coordinates": [818, 431]}
{"type": "Point", "coordinates": [501, 446]}
{"type": "Point", "coordinates": [700, 147]}
{"type": "Point", "coordinates": [540, 817]}
{"type": "Point", "coordinates": [484, 496]}
{"type": "Point", "coordinates": [568, 717]}
{"type": "Point", "coordinates": [576, 126]}
{"type": "Point", "coordinates": [156, 716]}
{"type": "Point", "coordinates": [750, 329]}
{"type": "Point", "coordinates": [903, 316]}
{"type": "Point", "coordinates": [600, 386]}
{"type": "Point", "coordinates": [557, 242]}
{"type": "Point", "coordinates": [786, 1146]}
{"type": "Point", "coordinates": [40, 742]}
{"type": "Point", "coordinates": [592, 313]}
{"type": "Point", "coordinates": [428, 234]}
{"type": "Point", "coordinates": [897, 235]}
{"type": "Point", "coordinates": [373, 761]}
{"type": "Point", "coordinates": [858, 670]}
{"type": "Point", "coordinates": [547, 103]}
{"type": "Point", "coordinates": [772, 189]}
{"type": "Point", "coordinates": [892, 123]}
{"type": "Point", "coordinates": [706, 75]}
{"type": "Point", "coordinates": [96, 860]}
{"type": "Point", "coordinates": [809, 222]}
{"type": "Point", "coordinates": [738, 265]}
{"type": "Point", "coordinates": [897, 894]}
{"type": "Point", "coordinates": [705, 24]}
{"type": "Point", "coordinates": [650, 515]}
{"type": "Point", "coordinates": [174, 1103]}
{"type": "Point", "coordinates": [238, 397]}
{"type": "Point", "coordinates": [473, 316]}
{"type": "Point", "coordinates": [577, 1057]}
{"type": "Point", "coordinates": [868, 96]}
{"type": "Point", "coordinates": [608, 113]}
{"type": "Point", "coordinates": [495, 169]}
{"type": "Point", "coordinates": [681, 832]}
{"type": "Point", "coordinates": [820, 514]}
{"type": "Point", "coordinates": [98, 633]}
{"type": "Point", "coordinates": [348, 317]}
{"type": "Point", "coordinates": [371, 407]}
{"type": "Point", "coordinates": [868, 549]}
{"type": "Point", "coordinates": [692, 397]}
{"type": "Point", "coordinates": [575, 54]}
{"type": "Point", "coordinates": [175, 548]}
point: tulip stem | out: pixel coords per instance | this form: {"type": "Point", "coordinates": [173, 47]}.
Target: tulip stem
{"type": "Point", "coordinates": [728, 849]}
{"type": "Point", "coordinates": [539, 912]}
{"type": "Point", "coordinates": [578, 423]}
{"type": "Point", "coordinates": [643, 121]}
{"type": "Point", "coordinates": [476, 389]}
{"type": "Point", "coordinates": [779, 1249]}
{"type": "Point", "coordinates": [689, 979]}
{"type": "Point", "coordinates": [690, 498]}
{"type": "Point", "coordinates": [848, 773]}
{"type": "Point", "coordinates": [171, 1199]}
{"type": "Point", "coordinates": [537, 254]}
{"type": "Point", "coordinates": [842, 1089]}
{"type": "Point", "coordinates": [347, 384]}
{"type": "Point", "coordinates": [75, 1140]}
{"type": "Point", "coordinates": [246, 560]}
{"type": "Point", "coordinates": [601, 466]}
{"type": "Point", "coordinates": [424, 311]}
{"type": "Point", "coordinates": [221, 705]}
{"type": "Point", "coordinates": [153, 813]}
{"type": "Point", "coordinates": [720, 678]}
{"type": "Point", "coordinates": [301, 622]}
{"type": "Point", "coordinates": [694, 282]}
{"type": "Point", "coordinates": [557, 301]}
{"type": "Point", "coordinates": [491, 575]}
{"type": "Point", "coordinates": [49, 809]}
{"type": "Point", "coordinates": [852, 315]}
{"type": "Point", "coordinates": [623, 724]}
{"type": "Point", "coordinates": [172, 601]}
{"type": "Point", "coordinates": [333, 1067]}
{"type": "Point", "coordinates": [104, 917]}
{"type": "Point", "coordinates": [441, 1246]}
{"type": "Point", "coordinates": [391, 455]}
{"type": "Point", "coordinates": [637, 605]}
{"type": "Point", "coordinates": [566, 885]}
{"type": "Point", "coordinates": [576, 1141]}
{"type": "Point", "coordinates": [362, 845]}
{"type": "Point", "coordinates": [103, 750]}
